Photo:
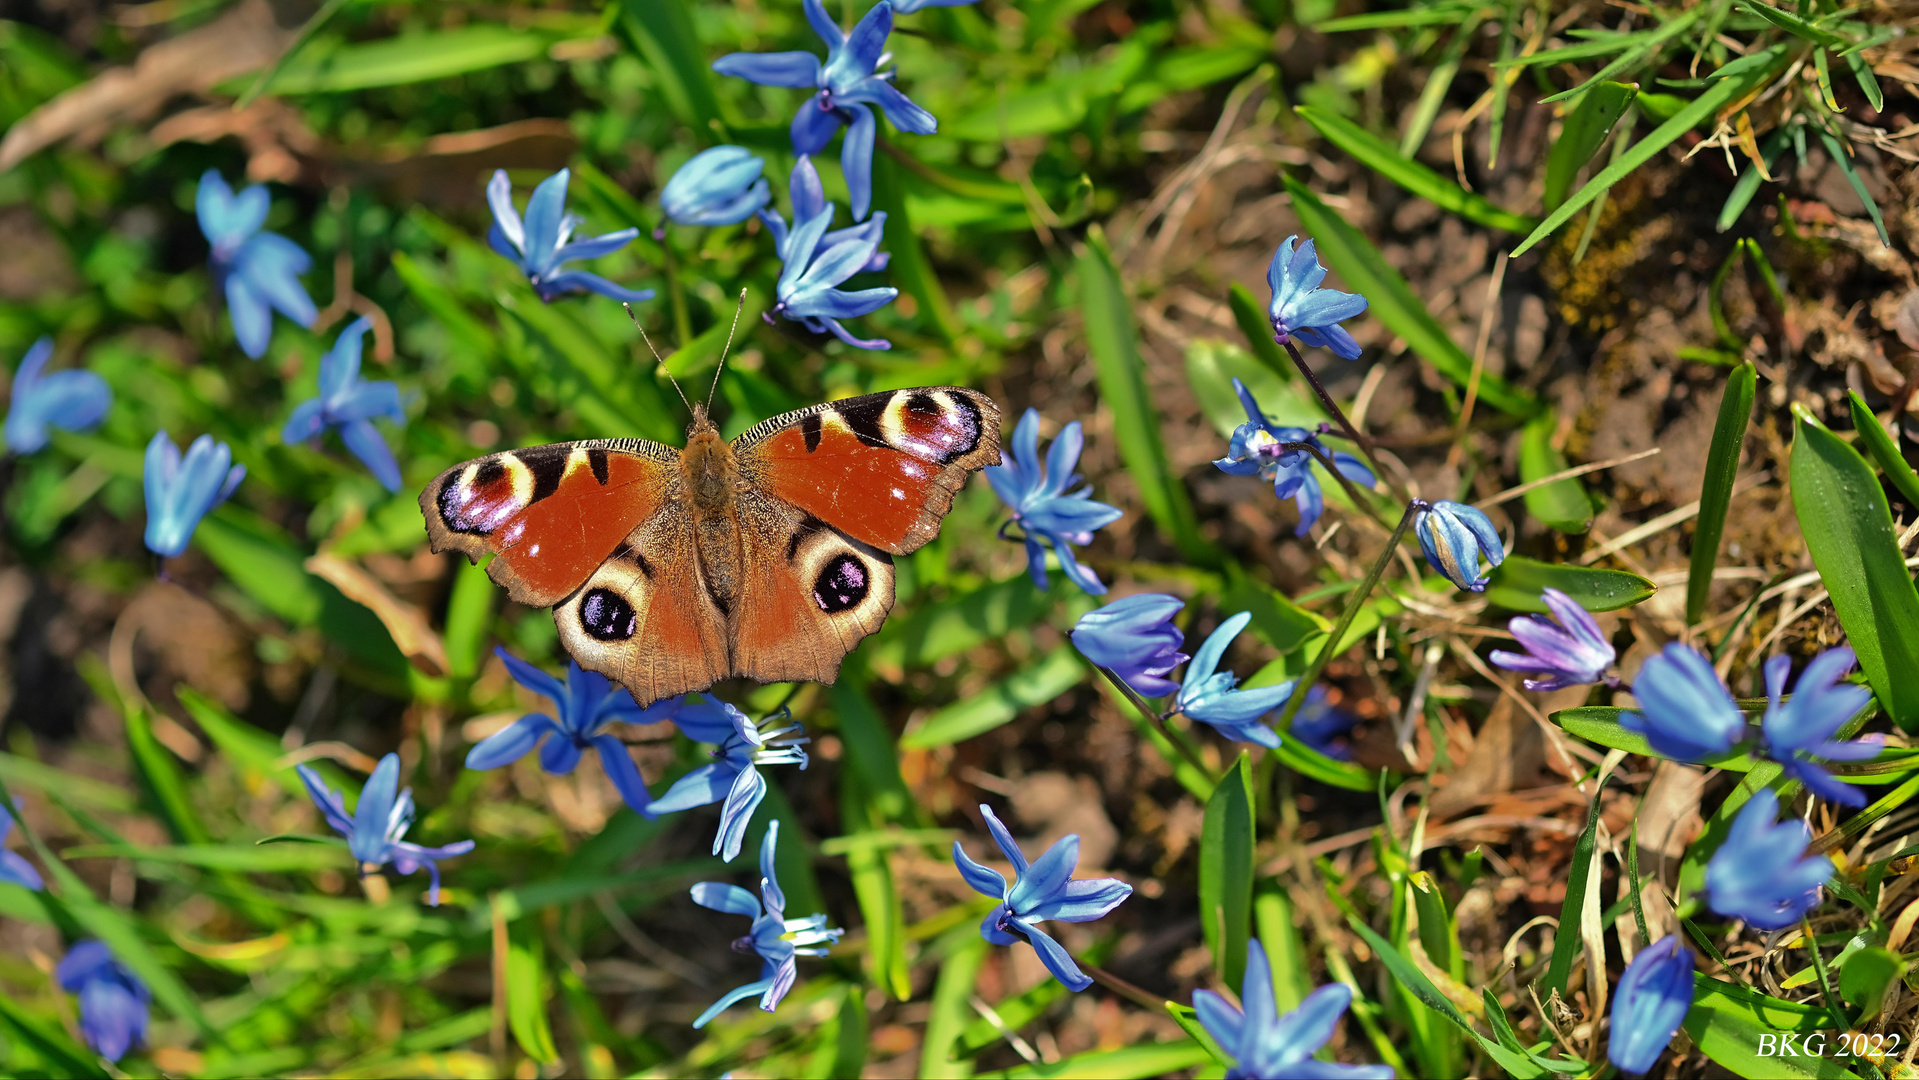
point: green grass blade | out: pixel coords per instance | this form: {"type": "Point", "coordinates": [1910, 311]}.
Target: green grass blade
{"type": "Point", "coordinates": [469, 617]}
{"type": "Point", "coordinates": [1883, 451]}
{"type": "Point", "coordinates": [1347, 250]}
{"type": "Point", "coordinates": [999, 703]}
{"type": "Point", "coordinates": [1842, 158]}
{"type": "Point", "coordinates": [1439, 79]}
{"type": "Point", "coordinates": [1111, 339]}
{"type": "Point", "coordinates": [1748, 183]}
{"type": "Point", "coordinates": [1585, 129]}
{"type": "Point", "coordinates": [1722, 92]}
{"type": "Point", "coordinates": [1250, 315]}
{"type": "Point", "coordinates": [1643, 52]}
{"type": "Point", "coordinates": [909, 267]}
{"type": "Point", "coordinates": [1286, 953]}
{"type": "Point", "coordinates": [1127, 1063]}
{"type": "Point", "coordinates": [1567, 942]}
{"type": "Point", "coordinates": [1848, 528]}
{"type": "Point", "coordinates": [56, 1051]}
{"type": "Point", "coordinates": [1715, 493]}
{"type": "Point", "coordinates": [1518, 580]}
{"type": "Point", "coordinates": [1375, 153]}
{"type": "Point", "coordinates": [1794, 25]}
{"type": "Point", "coordinates": [661, 31]}
{"type": "Point", "coordinates": [1868, 84]}
{"type": "Point", "coordinates": [410, 58]}
{"type": "Point", "coordinates": [526, 995]}
{"type": "Point", "coordinates": [1562, 504]}
{"type": "Point", "coordinates": [1728, 1022]}
{"type": "Point", "coordinates": [951, 1007]}
{"type": "Point", "coordinates": [307, 29]}
{"type": "Point", "coordinates": [1226, 871]}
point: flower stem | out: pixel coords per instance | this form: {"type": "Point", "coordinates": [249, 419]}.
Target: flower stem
{"type": "Point", "coordinates": [1157, 724]}
{"type": "Point", "coordinates": [1326, 462]}
{"type": "Point", "coordinates": [1135, 994]}
{"type": "Point", "coordinates": [1346, 617]}
{"type": "Point", "coordinates": [1332, 408]}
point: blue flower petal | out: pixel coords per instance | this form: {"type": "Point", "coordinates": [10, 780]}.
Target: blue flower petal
{"type": "Point", "coordinates": [794, 69]}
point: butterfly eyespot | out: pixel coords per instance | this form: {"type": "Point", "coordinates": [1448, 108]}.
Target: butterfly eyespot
{"type": "Point", "coordinates": [606, 616]}
{"type": "Point", "coordinates": [842, 585]}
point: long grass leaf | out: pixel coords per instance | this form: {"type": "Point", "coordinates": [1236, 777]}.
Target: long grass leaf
{"type": "Point", "coordinates": [1377, 154]}
{"type": "Point", "coordinates": [1585, 129]}
{"type": "Point", "coordinates": [1883, 451]}
{"type": "Point", "coordinates": [1715, 493]}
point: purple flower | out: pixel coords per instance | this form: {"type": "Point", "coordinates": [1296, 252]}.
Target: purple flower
{"type": "Point", "coordinates": [67, 400]}
{"type": "Point", "coordinates": [1318, 723]}
{"type": "Point", "coordinates": [1685, 712]}
{"type": "Point", "coordinates": [1208, 695]}
{"type": "Point", "coordinates": [815, 262]}
{"type": "Point", "coordinates": [1762, 872]}
{"type": "Point", "coordinates": [113, 1000]}
{"type": "Point", "coordinates": [540, 246]}
{"type": "Point", "coordinates": [259, 271]}
{"type": "Point", "coordinates": [1455, 537]}
{"type": "Point", "coordinates": [1040, 891]}
{"type": "Point", "coordinates": [1135, 639]}
{"type": "Point", "coordinates": [1258, 447]}
{"type": "Point", "coordinates": [14, 868]}
{"type": "Point", "coordinates": [1041, 506]}
{"type": "Point", "coordinates": [1266, 1044]}
{"type": "Point", "coordinates": [375, 830]}
{"type": "Point", "coordinates": [1650, 1003]}
{"type": "Point", "coordinates": [1302, 309]}
{"type": "Point", "coordinates": [735, 778]}
{"type": "Point", "coordinates": [844, 87]}
{"type": "Point", "coordinates": [182, 490]}
{"type": "Point", "coordinates": [348, 404]}
{"type": "Point", "coordinates": [776, 938]}
{"type": "Point", "coordinates": [587, 704]}
{"type": "Point", "coordinates": [1567, 653]}
{"type": "Point", "coordinates": [1821, 703]}
{"type": "Point", "coordinates": [720, 186]}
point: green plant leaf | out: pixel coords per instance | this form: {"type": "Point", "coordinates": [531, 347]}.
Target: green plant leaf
{"type": "Point", "coordinates": [999, 703]}
{"type": "Point", "coordinates": [53, 1045]}
{"type": "Point", "coordinates": [1211, 367]}
{"type": "Point", "coordinates": [526, 995]}
{"type": "Point", "coordinates": [1250, 316]}
{"type": "Point", "coordinates": [1115, 347]}
{"type": "Point", "coordinates": [1345, 249]}
{"type": "Point", "coordinates": [1562, 504]}
{"type": "Point", "coordinates": [1126, 1063]}
{"type": "Point", "coordinates": [1882, 450]}
{"type": "Point", "coordinates": [1517, 581]}
{"type": "Point", "coordinates": [1188, 1020]}
{"type": "Point", "coordinates": [1567, 942]}
{"type": "Point", "coordinates": [1847, 524]}
{"type": "Point", "coordinates": [409, 58]}
{"type": "Point", "coordinates": [947, 1017]}
{"type": "Point", "coordinates": [1226, 871]}
{"type": "Point", "coordinates": [1600, 724]}
{"type": "Point", "coordinates": [1378, 155]}
{"type": "Point", "coordinates": [1728, 1022]}
{"type": "Point", "coordinates": [1721, 92]}
{"type": "Point", "coordinates": [1841, 156]}
{"type": "Point", "coordinates": [1585, 129]}
{"type": "Point", "coordinates": [1437, 934]}
{"type": "Point", "coordinates": [1748, 183]}
{"type": "Point", "coordinates": [1715, 492]}
{"type": "Point", "coordinates": [661, 31]}
{"type": "Point", "coordinates": [1868, 974]}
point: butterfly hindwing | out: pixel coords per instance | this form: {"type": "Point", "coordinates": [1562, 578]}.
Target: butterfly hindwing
{"type": "Point", "coordinates": [881, 468]}
{"type": "Point", "coordinates": [808, 594]}
{"type": "Point", "coordinates": [549, 514]}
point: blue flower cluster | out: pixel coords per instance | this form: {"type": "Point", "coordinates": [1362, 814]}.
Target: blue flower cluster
{"type": "Point", "coordinates": [1041, 891]}
{"type": "Point", "coordinates": [1271, 452]}
{"type": "Point", "coordinates": [775, 938]}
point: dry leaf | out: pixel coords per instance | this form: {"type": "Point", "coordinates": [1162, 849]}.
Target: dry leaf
{"type": "Point", "coordinates": [405, 622]}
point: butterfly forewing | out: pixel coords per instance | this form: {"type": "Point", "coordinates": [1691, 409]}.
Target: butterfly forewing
{"type": "Point", "coordinates": [551, 514]}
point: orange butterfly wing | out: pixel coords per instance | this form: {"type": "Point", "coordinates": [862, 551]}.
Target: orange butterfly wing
{"type": "Point", "coordinates": [882, 468]}
{"type": "Point", "coordinates": [549, 514]}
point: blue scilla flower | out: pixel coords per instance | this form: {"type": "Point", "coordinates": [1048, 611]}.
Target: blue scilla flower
{"type": "Point", "coordinates": [375, 832]}
{"type": "Point", "coordinates": [1135, 639]}
{"type": "Point", "coordinates": [1762, 872]}
{"type": "Point", "coordinates": [14, 868]}
{"type": "Point", "coordinates": [1263, 1043]}
{"type": "Point", "coordinates": [907, 7]}
{"type": "Point", "coordinates": [543, 243]}
{"type": "Point", "coordinates": [1650, 1003]}
{"type": "Point", "coordinates": [815, 262]}
{"type": "Point", "coordinates": [1821, 703]}
{"type": "Point", "coordinates": [1685, 712]}
{"type": "Point", "coordinates": [259, 271]}
{"type": "Point", "coordinates": [68, 400]}
{"type": "Point", "coordinates": [113, 1000]}
{"type": "Point", "coordinates": [348, 404]}
{"type": "Point", "coordinates": [844, 87]}
{"type": "Point", "coordinates": [1042, 507]}
{"type": "Point", "coordinates": [1455, 537]}
{"type": "Point", "coordinates": [1208, 694]}
{"type": "Point", "coordinates": [1569, 652]}
{"type": "Point", "coordinates": [1301, 309]}
{"type": "Point", "coordinates": [182, 490]}
{"type": "Point", "coordinates": [1319, 722]}
{"type": "Point", "coordinates": [1259, 447]}
{"type": "Point", "coordinates": [1040, 891]}
{"type": "Point", "coordinates": [776, 938]}
{"type": "Point", "coordinates": [720, 186]}
{"type": "Point", "coordinates": [735, 778]}
{"type": "Point", "coordinates": [587, 704]}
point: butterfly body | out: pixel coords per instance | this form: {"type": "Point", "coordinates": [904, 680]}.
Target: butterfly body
{"type": "Point", "coordinates": [767, 557]}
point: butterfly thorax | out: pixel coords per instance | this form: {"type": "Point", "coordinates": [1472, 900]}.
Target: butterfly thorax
{"type": "Point", "coordinates": [712, 487]}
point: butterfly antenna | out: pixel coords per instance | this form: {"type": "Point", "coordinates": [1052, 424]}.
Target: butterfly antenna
{"type": "Point", "coordinates": [737, 308]}
{"type": "Point", "coordinates": [656, 355]}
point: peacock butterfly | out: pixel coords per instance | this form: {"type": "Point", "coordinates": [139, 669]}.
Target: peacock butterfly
{"type": "Point", "coordinates": [769, 557]}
